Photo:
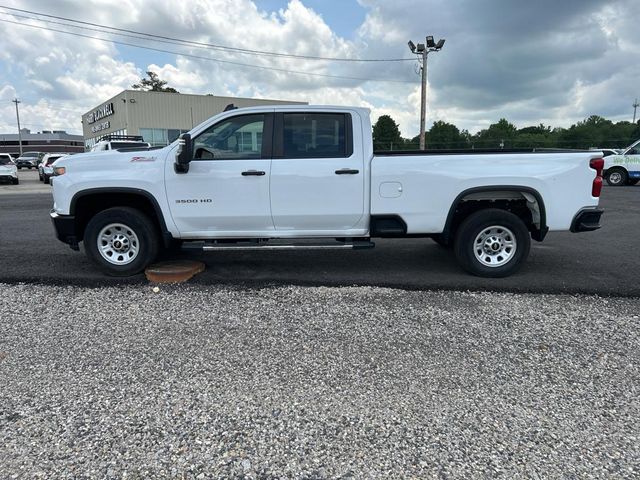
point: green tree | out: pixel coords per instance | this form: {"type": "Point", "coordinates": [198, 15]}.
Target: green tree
{"type": "Point", "coordinates": [153, 84]}
{"type": "Point", "coordinates": [534, 136]}
{"type": "Point", "coordinates": [386, 134]}
{"type": "Point", "coordinates": [443, 135]}
{"type": "Point", "coordinates": [498, 135]}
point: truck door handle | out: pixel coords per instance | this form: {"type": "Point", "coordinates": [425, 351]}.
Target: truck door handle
{"type": "Point", "coordinates": [257, 173]}
{"type": "Point", "coordinates": [347, 171]}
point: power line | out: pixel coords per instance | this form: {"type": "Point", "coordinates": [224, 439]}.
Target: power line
{"type": "Point", "coordinates": [239, 50]}
{"type": "Point", "coordinates": [229, 62]}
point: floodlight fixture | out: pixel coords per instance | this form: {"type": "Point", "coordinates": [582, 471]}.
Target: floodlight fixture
{"type": "Point", "coordinates": [423, 50]}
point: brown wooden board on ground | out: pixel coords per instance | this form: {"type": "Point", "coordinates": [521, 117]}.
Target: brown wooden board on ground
{"type": "Point", "coordinates": [174, 271]}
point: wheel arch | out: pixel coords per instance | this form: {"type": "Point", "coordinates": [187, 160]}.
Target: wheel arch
{"type": "Point", "coordinates": [489, 197]}
{"type": "Point", "coordinates": [86, 203]}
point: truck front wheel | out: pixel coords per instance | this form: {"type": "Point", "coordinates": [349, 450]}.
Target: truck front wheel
{"type": "Point", "coordinates": [492, 243]}
{"type": "Point", "coordinates": [122, 241]}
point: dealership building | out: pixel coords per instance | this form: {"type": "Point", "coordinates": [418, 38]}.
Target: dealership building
{"type": "Point", "coordinates": [44, 141]}
{"type": "Point", "coordinates": [158, 117]}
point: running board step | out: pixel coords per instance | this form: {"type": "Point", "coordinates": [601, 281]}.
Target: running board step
{"type": "Point", "coordinates": [215, 246]}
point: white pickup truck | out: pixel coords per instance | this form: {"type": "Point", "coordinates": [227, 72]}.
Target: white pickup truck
{"type": "Point", "coordinates": [264, 178]}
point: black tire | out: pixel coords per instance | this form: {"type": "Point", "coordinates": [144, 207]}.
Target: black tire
{"type": "Point", "coordinates": [15, 181]}
{"type": "Point", "coordinates": [41, 177]}
{"type": "Point", "coordinates": [633, 181]}
{"type": "Point", "coordinates": [440, 240]}
{"type": "Point", "coordinates": [19, 168]}
{"type": "Point", "coordinates": [138, 223]}
{"type": "Point", "coordinates": [29, 168]}
{"type": "Point", "coordinates": [47, 179]}
{"type": "Point", "coordinates": [473, 226]}
{"type": "Point", "coordinates": [616, 177]}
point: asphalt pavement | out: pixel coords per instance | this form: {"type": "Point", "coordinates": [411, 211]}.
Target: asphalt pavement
{"type": "Point", "coordinates": [602, 262]}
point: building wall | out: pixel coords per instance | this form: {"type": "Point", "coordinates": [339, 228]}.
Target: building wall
{"type": "Point", "coordinates": [160, 114]}
{"type": "Point", "coordinates": [41, 142]}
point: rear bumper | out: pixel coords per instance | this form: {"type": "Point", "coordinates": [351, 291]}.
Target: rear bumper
{"type": "Point", "coordinates": [65, 227]}
{"type": "Point", "coordinates": [587, 220]}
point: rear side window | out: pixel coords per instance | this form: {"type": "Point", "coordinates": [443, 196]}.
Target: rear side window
{"type": "Point", "coordinates": [315, 135]}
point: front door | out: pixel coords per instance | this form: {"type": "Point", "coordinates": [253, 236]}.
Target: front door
{"type": "Point", "coordinates": [317, 179]}
{"type": "Point", "coordinates": [226, 190]}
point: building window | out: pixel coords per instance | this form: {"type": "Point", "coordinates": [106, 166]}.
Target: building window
{"type": "Point", "coordinates": [157, 137]}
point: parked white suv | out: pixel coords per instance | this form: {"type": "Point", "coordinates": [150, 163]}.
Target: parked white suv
{"type": "Point", "coordinates": [45, 169]}
{"type": "Point", "coordinates": [8, 169]}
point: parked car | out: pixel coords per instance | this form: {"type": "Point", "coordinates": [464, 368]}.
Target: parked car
{"type": "Point", "coordinates": [29, 160]}
{"type": "Point", "coordinates": [115, 142]}
{"type": "Point", "coordinates": [261, 178]}
{"type": "Point", "coordinates": [624, 168]}
{"type": "Point", "coordinates": [45, 170]}
{"type": "Point", "coordinates": [8, 169]}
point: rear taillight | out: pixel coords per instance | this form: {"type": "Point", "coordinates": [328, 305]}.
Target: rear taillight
{"type": "Point", "coordinates": [598, 165]}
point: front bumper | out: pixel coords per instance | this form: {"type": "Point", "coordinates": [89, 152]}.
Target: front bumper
{"type": "Point", "coordinates": [587, 220]}
{"type": "Point", "coordinates": [65, 227]}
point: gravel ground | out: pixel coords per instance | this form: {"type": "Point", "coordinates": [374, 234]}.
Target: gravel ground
{"type": "Point", "coordinates": [197, 382]}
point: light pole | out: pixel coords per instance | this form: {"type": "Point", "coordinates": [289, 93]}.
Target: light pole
{"type": "Point", "coordinates": [16, 101]}
{"type": "Point", "coordinates": [423, 51]}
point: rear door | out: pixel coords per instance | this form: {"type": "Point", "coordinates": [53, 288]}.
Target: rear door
{"type": "Point", "coordinates": [317, 177]}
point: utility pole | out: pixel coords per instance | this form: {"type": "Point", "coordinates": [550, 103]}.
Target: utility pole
{"type": "Point", "coordinates": [423, 52]}
{"type": "Point", "coordinates": [16, 101]}
{"type": "Point", "coordinates": [635, 106]}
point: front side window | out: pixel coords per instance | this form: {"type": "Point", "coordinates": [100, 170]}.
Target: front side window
{"type": "Point", "coordinates": [234, 138]}
{"type": "Point", "coordinates": [313, 135]}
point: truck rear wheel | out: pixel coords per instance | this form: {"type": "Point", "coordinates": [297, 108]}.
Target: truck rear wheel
{"type": "Point", "coordinates": [492, 243]}
{"type": "Point", "coordinates": [122, 241]}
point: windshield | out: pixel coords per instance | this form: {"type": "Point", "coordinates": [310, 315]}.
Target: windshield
{"type": "Point", "coordinates": [30, 155]}
{"type": "Point", "coordinates": [52, 159]}
{"type": "Point", "coordinates": [633, 149]}
{"type": "Point", "coordinates": [5, 161]}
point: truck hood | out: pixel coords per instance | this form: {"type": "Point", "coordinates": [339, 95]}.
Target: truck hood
{"type": "Point", "coordinates": [108, 159]}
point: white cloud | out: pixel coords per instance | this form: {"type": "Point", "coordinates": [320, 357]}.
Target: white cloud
{"type": "Point", "coordinates": [575, 59]}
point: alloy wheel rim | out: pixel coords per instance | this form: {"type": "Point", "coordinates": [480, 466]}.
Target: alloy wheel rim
{"type": "Point", "coordinates": [615, 177]}
{"type": "Point", "coordinates": [118, 244]}
{"type": "Point", "coordinates": [495, 246]}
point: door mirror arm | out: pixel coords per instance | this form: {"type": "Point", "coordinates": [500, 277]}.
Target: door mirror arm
{"type": "Point", "coordinates": [184, 154]}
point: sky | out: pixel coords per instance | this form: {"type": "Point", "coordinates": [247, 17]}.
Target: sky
{"type": "Point", "coordinates": [549, 61]}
